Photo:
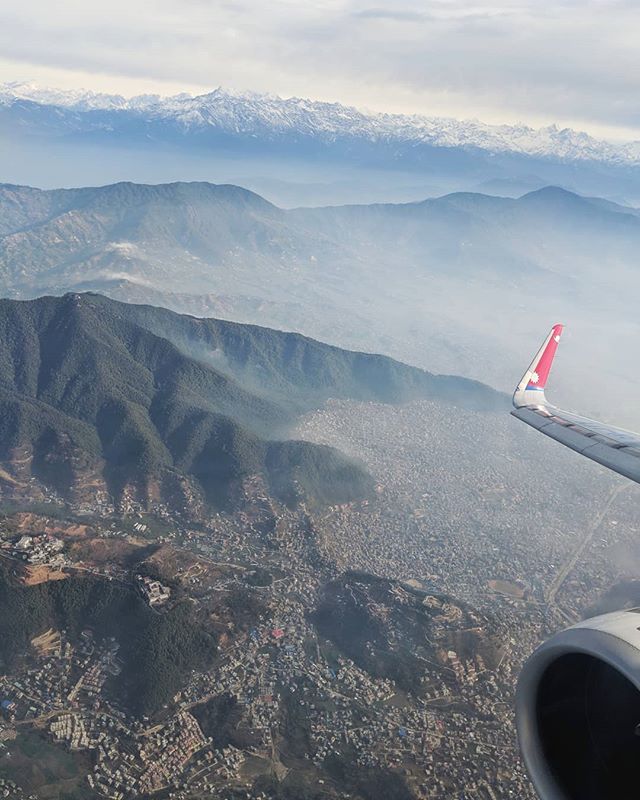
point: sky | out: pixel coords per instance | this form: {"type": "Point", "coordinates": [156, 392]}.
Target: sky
{"type": "Point", "coordinates": [571, 62]}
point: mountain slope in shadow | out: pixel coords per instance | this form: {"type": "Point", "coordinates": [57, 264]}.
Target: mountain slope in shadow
{"type": "Point", "coordinates": [138, 404]}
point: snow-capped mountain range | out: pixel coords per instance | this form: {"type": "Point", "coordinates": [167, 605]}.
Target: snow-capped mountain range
{"type": "Point", "coordinates": [271, 117]}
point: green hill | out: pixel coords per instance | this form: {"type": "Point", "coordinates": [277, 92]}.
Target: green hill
{"type": "Point", "coordinates": [158, 650]}
{"type": "Point", "coordinates": [143, 403]}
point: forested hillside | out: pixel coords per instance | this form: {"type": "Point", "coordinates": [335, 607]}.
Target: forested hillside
{"type": "Point", "coordinates": [101, 399]}
{"type": "Point", "coordinates": [158, 650]}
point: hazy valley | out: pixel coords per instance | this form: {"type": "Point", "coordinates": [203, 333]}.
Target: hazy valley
{"type": "Point", "coordinates": [464, 284]}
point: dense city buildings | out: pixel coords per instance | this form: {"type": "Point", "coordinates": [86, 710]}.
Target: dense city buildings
{"type": "Point", "coordinates": [381, 638]}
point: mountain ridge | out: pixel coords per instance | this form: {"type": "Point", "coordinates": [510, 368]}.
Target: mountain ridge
{"type": "Point", "coordinates": [141, 406]}
{"type": "Point", "coordinates": [248, 112]}
{"type": "Point", "coordinates": [416, 281]}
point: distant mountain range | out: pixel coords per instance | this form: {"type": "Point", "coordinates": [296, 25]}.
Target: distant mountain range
{"type": "Point", "coordinates": [108, 403]}
{"type": "Point", "coordinates": [278, 145]}
{"type": "Point", "coordinates": [272, 117]}
{"type": "Point", "coordinates": [463, 284]}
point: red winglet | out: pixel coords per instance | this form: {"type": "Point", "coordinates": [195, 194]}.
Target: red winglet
{"type": "Point", "coordinates": [540, 371]}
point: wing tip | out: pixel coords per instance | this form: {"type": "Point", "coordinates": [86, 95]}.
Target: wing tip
{"type": "Point", "coordinates": [530, 390]}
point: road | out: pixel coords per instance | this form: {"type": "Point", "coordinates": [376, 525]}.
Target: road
{"type": "Point", "coordinates": [566, 569]}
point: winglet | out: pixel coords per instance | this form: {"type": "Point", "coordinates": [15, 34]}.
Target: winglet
{"type": "Point", "coordinates": [530, 390]}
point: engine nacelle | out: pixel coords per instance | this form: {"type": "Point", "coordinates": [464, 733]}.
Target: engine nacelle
{"type": "Point", "coordinates": [578, 711]}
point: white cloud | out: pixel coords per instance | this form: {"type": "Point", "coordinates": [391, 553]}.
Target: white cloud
{"type": "Point", "coordinates": [572, 61]}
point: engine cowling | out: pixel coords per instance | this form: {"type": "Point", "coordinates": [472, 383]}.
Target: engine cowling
{"type": "Point", "coordinates": [578, 711]}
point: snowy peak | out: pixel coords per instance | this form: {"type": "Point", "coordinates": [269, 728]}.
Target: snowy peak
{"type": "Point", "coordinates": [81, 100]}
{"type": "Point", "coordinates": [269, 116]}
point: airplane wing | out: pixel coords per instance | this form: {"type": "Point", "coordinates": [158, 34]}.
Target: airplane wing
{"type": "Point", "coordinates": [614, 448]}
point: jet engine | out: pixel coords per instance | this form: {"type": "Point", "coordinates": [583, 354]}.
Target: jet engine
{"type": "Point", "coordinates": [578, 711]}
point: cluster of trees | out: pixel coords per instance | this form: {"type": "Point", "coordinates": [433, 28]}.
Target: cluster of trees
{"type": "Point", "coordinates": [343, 617]}
{"type": "Point", "coordinates": [222, 718]}
{"type": "Point", "coordinates": [161, 653]}
{"type": "Point", "coordinates": [158, 650]}
{"type": "Point", "coordinates": [89, 384]}
{"type": "Point", "coordinates": [368, 783]}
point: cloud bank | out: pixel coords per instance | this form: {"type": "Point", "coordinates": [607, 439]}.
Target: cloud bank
{"type": "Point", "coordinates": [576, 62]}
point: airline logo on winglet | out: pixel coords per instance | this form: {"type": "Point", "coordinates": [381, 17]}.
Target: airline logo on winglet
{"type": "Point", "coordinates": [540, 373]}
{"type": "Point", "coordinates": [530, 390]}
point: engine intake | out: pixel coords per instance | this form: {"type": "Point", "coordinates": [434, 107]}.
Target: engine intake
{"type": "Point", "coordinates": [578, 711]}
